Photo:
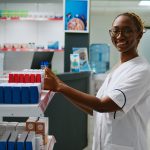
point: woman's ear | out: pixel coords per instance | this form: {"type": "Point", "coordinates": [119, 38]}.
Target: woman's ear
{"type": "Point", "coordinates": [140, 34]}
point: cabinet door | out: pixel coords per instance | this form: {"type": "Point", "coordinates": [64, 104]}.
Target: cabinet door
{"type": "Point", "coordinates": [66, 122]}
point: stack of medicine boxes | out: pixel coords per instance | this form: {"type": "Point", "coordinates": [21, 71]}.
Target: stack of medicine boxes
{"type": "Point", "coordinates": [33, 137]}
{"type": "Point", "coordinates": [22, 88]}
{"type": "Point", "coordinates": [39, 126]}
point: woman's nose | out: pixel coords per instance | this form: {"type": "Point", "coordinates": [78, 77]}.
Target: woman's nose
{"type": "Point", "coordinates": [120, 34]}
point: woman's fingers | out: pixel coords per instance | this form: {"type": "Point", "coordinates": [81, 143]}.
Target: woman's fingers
{"type": "Point", "coordinates": [47, 83]}
{"type": "Point", "coordinates": [48, 72]}
{"type": "Point", "coordinates": [46, 80]}
{"type": "Point", "coordinates": [50, 80]}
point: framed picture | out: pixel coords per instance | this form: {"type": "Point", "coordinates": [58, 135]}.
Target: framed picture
{"type": "Point", "coordinates": [76, 16]}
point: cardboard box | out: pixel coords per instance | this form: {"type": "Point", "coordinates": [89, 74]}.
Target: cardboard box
{"type": "Point", "coordinates": [42, 125]}
{"type": "Point", "coordinates": [31, 123]}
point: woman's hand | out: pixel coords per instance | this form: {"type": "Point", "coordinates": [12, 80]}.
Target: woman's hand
{"type": "Point", "coordinates": [51, 81]}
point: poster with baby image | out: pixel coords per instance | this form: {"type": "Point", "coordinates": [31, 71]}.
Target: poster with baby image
{"type": "Point", "coordinates": [83, 58]}
{"type": "Point", "coordinates": [76, 16]}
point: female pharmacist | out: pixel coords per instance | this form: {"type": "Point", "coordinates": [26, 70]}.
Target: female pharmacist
{"type": "Point", "coordinates": [121, 106]}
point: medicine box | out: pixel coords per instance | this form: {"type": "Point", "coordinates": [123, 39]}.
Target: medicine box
{"type": "Point", "coordinates": [12, 142]}
{"type": "Point", "coordinates": [42, 125]}
{"type": "Point", "coordinates": [4, 140]}
{"type": "Point", "coordinates": [21, 141]}
{"type": "Point", "coordinates": [30, 123]}
{"type": "Point", "coordinates": [30, 141]}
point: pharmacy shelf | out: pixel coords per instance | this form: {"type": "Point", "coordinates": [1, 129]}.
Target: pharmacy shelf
{"type": "Point", "coordinates": [26, 110]}
{"type": "Point", "coordinates": [30, 50]}
{"type": "Point", "coordinates": [31, 19]}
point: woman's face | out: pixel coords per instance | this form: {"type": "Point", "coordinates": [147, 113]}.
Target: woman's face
{"type": "Point", "coordinates": [124, 34]}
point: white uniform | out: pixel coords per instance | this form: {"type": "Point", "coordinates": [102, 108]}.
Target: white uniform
{"type": "Point", "coordinates": [129, 87]}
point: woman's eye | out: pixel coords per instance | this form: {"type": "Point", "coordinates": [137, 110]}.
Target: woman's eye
{"type": "Point", "coordinates": [115, 31]}
{"type": "Point", "coordinates": [127, 30]}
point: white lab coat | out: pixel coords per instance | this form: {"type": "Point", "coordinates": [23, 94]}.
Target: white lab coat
{"type": "Point", "coordinates": [128, 130]}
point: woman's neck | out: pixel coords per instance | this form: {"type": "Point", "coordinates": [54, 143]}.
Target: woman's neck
{"type": "Point", "coordinates": [126, 56]}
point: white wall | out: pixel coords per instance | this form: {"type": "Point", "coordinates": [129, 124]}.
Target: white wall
{"type": "Point", "coordinates": [144, 48]}
{"type": "Point", "coordinates": [100, 23]}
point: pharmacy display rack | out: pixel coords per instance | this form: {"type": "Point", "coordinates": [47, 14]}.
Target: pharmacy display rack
{"type": "Point", "coordinates": [26, 110]}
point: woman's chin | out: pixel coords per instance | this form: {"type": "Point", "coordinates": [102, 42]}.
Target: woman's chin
{"type": "Point", "coordinates": [122, 49]}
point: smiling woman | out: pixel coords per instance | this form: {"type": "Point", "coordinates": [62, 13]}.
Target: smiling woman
{"type": "Point", "coordinates": [121, 106]}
